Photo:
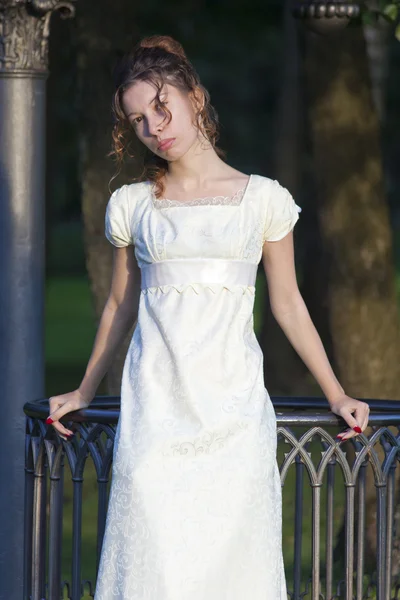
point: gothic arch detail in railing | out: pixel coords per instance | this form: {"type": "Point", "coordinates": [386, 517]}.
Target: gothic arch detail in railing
{"type": "Point", "coordinates": [315, 464]}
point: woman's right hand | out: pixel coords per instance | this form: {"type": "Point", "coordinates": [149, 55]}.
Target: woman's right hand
{"type": "Point", "coordinates": [63, 404]}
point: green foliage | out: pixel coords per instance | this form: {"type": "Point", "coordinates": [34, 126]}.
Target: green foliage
{"type": "Point", "coordinates": [391, 11]}
{"type": "Point", "coordinates": [388, 10]}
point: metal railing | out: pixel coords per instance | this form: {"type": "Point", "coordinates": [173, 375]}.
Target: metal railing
{"type": "Point", "coordinates": [341, 500]}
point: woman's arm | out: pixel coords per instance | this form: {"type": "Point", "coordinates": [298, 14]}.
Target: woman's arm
{"type": "Point", "coordinates": [291, 313]}
{"type": "Point", "coordinates": [119, 314]}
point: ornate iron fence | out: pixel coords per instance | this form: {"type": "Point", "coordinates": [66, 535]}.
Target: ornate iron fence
{"type": "Point", "coordinates": [341, 500]}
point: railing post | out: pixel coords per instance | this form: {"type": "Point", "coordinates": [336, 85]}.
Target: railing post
{"type": "Point", "coordinates": [390, 513]}
{"type": "Point", "coordinates": [298, 534]}
{"type": "Point", "coordinates": [39, 524]}
{"type": "Point", "coordinates": [77, 538]}
{"type": "Point", "coordinates": [380, 537]}
{"type": "Point", "coordinates": [55, 523]}
{"type": "Point", "coordinates": [28, 519]}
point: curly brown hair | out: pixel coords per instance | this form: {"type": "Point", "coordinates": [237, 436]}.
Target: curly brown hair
{"type": "Point", "coordinates": [155, 59]}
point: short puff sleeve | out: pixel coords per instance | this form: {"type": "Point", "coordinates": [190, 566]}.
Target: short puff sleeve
{"type": "Point", "coordinates": [118, 218]}
{"type": "Point", "coordinates": [281, 215]}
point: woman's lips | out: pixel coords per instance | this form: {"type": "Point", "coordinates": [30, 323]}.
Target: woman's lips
{"type": "Point", "coordinates": [166, 144]}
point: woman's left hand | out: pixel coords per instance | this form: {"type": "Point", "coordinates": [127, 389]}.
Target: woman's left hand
{"type": "Point", "coordinates": [345, 407]}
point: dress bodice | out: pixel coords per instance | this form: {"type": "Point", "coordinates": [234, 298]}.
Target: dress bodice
{"type": "Point", "coordinates": [220, 227]}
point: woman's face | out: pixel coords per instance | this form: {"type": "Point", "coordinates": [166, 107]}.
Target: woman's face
{"type": "Point", "coordinates": [152, 126]}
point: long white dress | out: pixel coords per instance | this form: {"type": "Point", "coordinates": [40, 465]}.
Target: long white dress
{"type": "Point", "coordinates": [195, 501]}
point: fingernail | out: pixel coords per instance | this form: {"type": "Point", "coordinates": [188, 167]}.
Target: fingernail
{"type": "Point", "coordinates": [49, 421]}
{"type": "Point", "coordinates": [357, 429]}
{"type": "Point", "coordinates": [339, 437]}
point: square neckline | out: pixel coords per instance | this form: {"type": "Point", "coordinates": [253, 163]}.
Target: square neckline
{"type": "Point", "coordinates": [192, 204]}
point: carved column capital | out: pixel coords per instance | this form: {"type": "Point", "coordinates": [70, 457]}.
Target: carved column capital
{"type": "Point", "coordinates": [24, 35]}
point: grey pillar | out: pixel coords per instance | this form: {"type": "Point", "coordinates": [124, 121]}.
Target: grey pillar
{"type": "Point", "coordinates": [24, 31]}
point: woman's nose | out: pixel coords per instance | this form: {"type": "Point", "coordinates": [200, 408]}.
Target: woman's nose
{"type": "Point", "coordinates": [156, 124]}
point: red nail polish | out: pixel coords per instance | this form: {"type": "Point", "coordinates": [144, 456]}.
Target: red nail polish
{"type": "Point", "coordinates": [357, 429]}
{"type": "Point", "coordinates": [49, 421]}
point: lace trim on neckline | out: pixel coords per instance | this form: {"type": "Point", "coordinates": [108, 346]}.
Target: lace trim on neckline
{"type": "Point", "coordinates": [234, 200]}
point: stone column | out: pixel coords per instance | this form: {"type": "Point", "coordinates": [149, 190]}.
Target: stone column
{"type": "Point", "coordinates": [24, 33]}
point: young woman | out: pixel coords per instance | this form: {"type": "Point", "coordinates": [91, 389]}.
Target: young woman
{"type": "Point", "coordinates": [195, 502]}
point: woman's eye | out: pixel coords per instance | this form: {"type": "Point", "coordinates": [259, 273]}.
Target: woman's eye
{"type": "Point", "coordinates": [136, 121]}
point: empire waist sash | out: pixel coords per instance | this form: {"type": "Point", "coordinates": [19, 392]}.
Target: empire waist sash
{"type": "Point", "coordinates": [208, 271]}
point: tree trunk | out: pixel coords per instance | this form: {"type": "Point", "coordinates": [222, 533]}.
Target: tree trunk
{"type": "Point", "coordinates": [292, 169]}
{"type": "Point", "coordinates": [354, 215]}
{"type": "Point", "coordinates": [377, 39]}
{"type": "Point", "coordinates": [354, 222]}
{"type": "Point", "coordinates": [280, 358]}
{"type": "Point", "coordinates": [104, 30]}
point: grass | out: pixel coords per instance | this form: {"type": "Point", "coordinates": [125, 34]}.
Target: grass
{"type": "Point", "coordinates": [69, 334]}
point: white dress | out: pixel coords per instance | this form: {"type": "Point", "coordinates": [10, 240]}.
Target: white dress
{"type": "Point", "coordinates": [195, 502]}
